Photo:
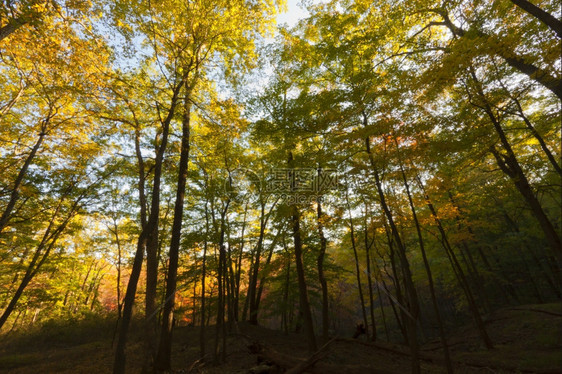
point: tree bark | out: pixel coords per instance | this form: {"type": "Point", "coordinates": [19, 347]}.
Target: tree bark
{"type": "Point", "coordinates": [357, 271]}
{"type": "Point", "coordinates": [515, 61]}
{"type": "Point", "coordinates": [457, 270]}
{"type": "Point", "coordinates": [510, 166]}
{"type": "Point", "coordinates": [266, 266]}
{"type": "Point", "coordinates": [534, 132]}
{"type": "Point", "coordinates": [252, 287]}
{"type": "Point", "coordinates": [47, 243]}
{"type": "Point", "coordinates": [163, 358]}
{"type": "Point", "coordinates": [320, 265]}
{"type": "Point", "coordinates": [369, 279]}
{"type": "Point", "coordinates": [548, 19]}
{"type": "Point", "coordinates": [203, 280]}
{"type": "Point", "coordinates": [413, 304]}
{"type": "Point", "coordinates": [303, 291]}
{"type": "Point", "coordinates": [120, 359]}
{"type": "Point", "coordinates": [446, 353]}
{"type": "Point", "coordinates": [12, 25]}
{"type": "Point", "coordinates": [14, 195]}
{"type": "Point", "coordinates": [220, 328]}
{"type": "Point", "coordinates": [239, 268]}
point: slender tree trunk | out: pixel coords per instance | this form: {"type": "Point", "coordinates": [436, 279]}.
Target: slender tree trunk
{"type": "Point", "coordinates": [303, 291]}
{"type": "Point", "coordinates": [510, 166]}
{"type": "Point", "coordinates": [151, 313]}
{"type": "Point", "coordinates": [369, 279]}
{"type": "Point", "coordinates": [382, 312]}
{"type": "Point", "coordinates": [285, 315]}
{"type": "Point", "coordinates": [203, 281]}
{"type": "Point", "coordinates": [220, 330]}
{"type": "Point", "coordinates": [357, 270]}
{"type": "Point", "coordinates": [147, 229]}
{"type": "Point", "coordinates": [252, 287]}
{"type": "Point", "coordinates": [16, 320]}
{"type": "Point", "coordinates": [544, 271]}
{"type": "Point", "coordinates": [14, 195]}
{"type": "Point", "coordinates": [413, 304]}
{"type": "Point", "coordinates": [507, 289]}
{"type": "Point", "coordinates": [96, 294]}
{"type": "Point", "coordinates": [266, 267]}
{"type": "Point", "coordinates": [396, 282]}
{"type": "Point", "coordinates": [446, 353]}
{"type": "Point", "coordinates": [120, 358]}
{"type": "Point", "coordinates": [115, 232]}
{"type": "Point", "coordinates": [44, 248]}
{"type": "Point", "coordinates": [320, 264]}
{"type": "Point", "coordinates": [83, 286]}
{"type": "Point", "coordinates": [239, 268]}
{"type": "Point", "coordinates": [163, 358]}
{"type": "Point", "coordinates": [534, 132]}
{"type": "Point", "coordinates": [93, 283]}
{"type": "Point", "coordinates": [231, 289]}
{"type": "Point", "coordinates": [457, 270]}
{"type": "Point", "coordinates": [247, 299]}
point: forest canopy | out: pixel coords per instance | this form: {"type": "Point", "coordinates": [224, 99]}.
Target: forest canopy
{"type": "Point", "coordinates": [394, 165]}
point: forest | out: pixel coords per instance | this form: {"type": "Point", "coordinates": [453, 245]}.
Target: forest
{"type": "Point", "coordinates": [187, 186]}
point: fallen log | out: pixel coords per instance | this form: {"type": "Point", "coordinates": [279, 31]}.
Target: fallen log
{"type": "Point", "coordinates": [537, 311]}
{"type": "Point", "coordinates": [313, 359]}
{"type": "Point", "coordinates": [295, 365]}
{"type": "Point", "coordinates": [474, 363]}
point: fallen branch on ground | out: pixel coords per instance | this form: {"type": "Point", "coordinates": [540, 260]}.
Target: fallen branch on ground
{"type": "Point", "coordinates": [481, 364]}
{"type": "Point", "coordinates": [295, 365]}
{"type": "Point", "coordinates": [538, 311]}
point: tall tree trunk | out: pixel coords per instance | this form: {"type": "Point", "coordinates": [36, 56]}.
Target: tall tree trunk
{"type": "Point", "coordinates": [369, 279]}
{"type": "Point", "coordinates": [115, 232]}
{"type": "Point", "coordinates": [202, 341]}
{"type": "Point", "coordinates": [252, 287]}
{"type": "Point", "coordinates": [382, 311]}
{"type": "Point", "coordinates": [544, 271]}
{"type": "Point", "coordinates": [457, 270]}
{"type": "Point", "coordinates": [412, 296]}
{"type": "Point", "coordinates": [239, 268]}
{"type": "Point", "coordinates": [446, 353]}
{"type": "Point", "coordinates": [396, 282]}
{"type": "Point", "coordinates": [266, 266]}
{"type": "Point", "coordinates": [303, 291]}
{"type": "Point", "coordinates": [147, 229]}
{"type": "Point", "coordinates": [320, 264]}
{"type": "Point", "coordinates": [510, 166]}
{"type": "Point", "coordinates": [163, 358]}
{"type": "Point", "coordinates": [231, 281]}
{"type": "Point", "coordinates": [356, 257]}
{"type": "Point", "coordinates": [120, 358]}
{"type": "Point", "coordinates": [220, 329]}
{"type": "Point", "coordinates": [285, 316]}
{"type": "Point", "coordinates": [254, 292]}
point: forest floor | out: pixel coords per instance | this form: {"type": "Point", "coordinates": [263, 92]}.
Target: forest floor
{"type": "Point", "coordinates": [528, 339]}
